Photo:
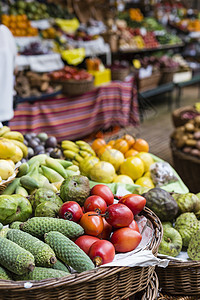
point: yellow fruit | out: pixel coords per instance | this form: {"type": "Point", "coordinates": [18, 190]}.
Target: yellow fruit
{"type": "Point", "coordinates": [11, 163]}
{"type": "Point", "coordinates": [123, 179]}
{"type": "Point", "coordinates": [145, 181]}
{"type": "Point", "coordinates": [113, 156]}
{"type": "Point", "coordinates": [22, 147]}
{"type": "Point", "coordinates": [14, 135]}
{"type": "Point", "coordinates": [102, 172]}
{"type": "Point", "coordinates": [7, 148]}
{"type": "Point", "coordinates": [133, 167]}
{"type": "Point", "coordinates": [147, 160]}
{"type": "Point", "coordinates": [147, 174]}
{"type": "Point", "coordinates": [5, 169]}
{"type": "Point", "coordinates": [87, 163]}
{"type": "Point", "coordinates": [18, 155]}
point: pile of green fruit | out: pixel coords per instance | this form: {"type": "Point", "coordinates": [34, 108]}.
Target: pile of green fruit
{"type": "Point", "coordinates": [40, 248]}
{"type": "Point", "coordinates": [41, 171]}
{"type": "Point", "coordinates": [34, 10]}
{"type": "Point", "coordinates": [179, 214]}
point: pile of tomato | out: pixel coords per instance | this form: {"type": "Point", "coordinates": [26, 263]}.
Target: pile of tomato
{"type": "Point", "coordinates": [109, 227]}
{"type": "Point", "coordinates": [71, 73]}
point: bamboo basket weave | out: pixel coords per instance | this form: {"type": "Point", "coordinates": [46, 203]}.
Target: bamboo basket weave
{"type": "Point", "coordinates": [149, 83]}
{"type": "Point", "coordinates": [177, 118]}
{"type": "Point", "coordinates": [180, 278]}
{"type": "Point", "coordinates": [103, 283]}
{"type": "Point", "coordinates": [75, 87]}
{"type": "Point", "coordinates": [151, 291]}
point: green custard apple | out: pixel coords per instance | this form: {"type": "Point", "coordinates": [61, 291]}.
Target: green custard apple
{"type": "Point", "coordinates": [187, 225]}
{"type": "Point", "coordinates": [171, 243]}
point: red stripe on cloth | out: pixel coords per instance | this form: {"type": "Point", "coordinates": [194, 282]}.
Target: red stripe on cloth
{"type": "Point", "coordinates": [76, 117]}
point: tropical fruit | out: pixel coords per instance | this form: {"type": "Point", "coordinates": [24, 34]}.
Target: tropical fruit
{"type": "Point", "coordinates": [145, 181]}
{"type": "Point", "coordinates": [6, 170]}
{"type": "Point", "coordinates": [130, 152]}
{"type": "Point", "coordinates": [187, 225]}
{"type": "Point", "coordinates": [14, 208]}
{"type": "Point", "coordinates": [133, 167]}
{"type": "Point", "coordinates": [114, 157]}
{"type": "Point", "coordinates": [4, 274]}
{"type": "Point", "coordinates": [15, 225]}
{"type": "Point", "coordinates": [60, 266]}
{"type": "Point", "coordinates": [40, 273]}
{"type": "Point", "coordinates": [42, 195]}
{"type": "Point", "coordinates": [15, 258]}
{"type": "Point", "coordinates": [75, 188]}
{"type": "Point", "coordinates": [38, 226]}
{"type": "Point", "coordinates": [162, 203]}
{"type": "Point", "coordinates": [146, 159]}
{"type": "Point", "coordinates": [102, 172]}
{"type": "Point", "coordinates": [7, 148]}
{"type": "Point", "coordinates": [97, 144]}
{"type": "Point", "coordinates": [194, 246]}
{"type": "Point", "coordinates": [18, 155]}
{"type": "Point", "coordinates": [47, 209]}
{"type": "Point", "coordinates": [171, 243]}
{"type": "Point", "coordinates": [188, 202]}
{"type": "Point", "coordinates": [121, 145]}
{"type": "Point", "coordinates": [87, 163]}
{"type": "Point", "coordinates": [43, 254]}
{"type": "Point", "coordinates": [67, 251]}
{"type": "Point", "coordinates": [141, 145]}
{"type": "Point", "coordinates": [123, 179]}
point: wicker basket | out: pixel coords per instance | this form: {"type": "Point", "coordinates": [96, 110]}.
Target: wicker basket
{"type": "Point", "coordinates": [177, 118]}
{"type": "Point", "coordinates": [75, 87]}
{"type": "Point", "coordinates": [112, 39]}
{"type": "Point", "coordinates": [167, 75]}
{"type": "Point", "coordinates": [151, 291]}
{"type": "Point", "coordinates": [149, 83]}
{"type": "Point", "coordinates": [169, 297]}
{"type": "Point", "coordinates": [103, 283]}
{"type": "Point", "coordinates": [188, 167]}
{"type": "Point", "coordinates": [119, 74]}
{"type": "Point", "coordinates": [180, 278]}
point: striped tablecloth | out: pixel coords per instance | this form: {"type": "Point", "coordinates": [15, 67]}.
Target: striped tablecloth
{"type": "Point", "coordinates": [75, 117]}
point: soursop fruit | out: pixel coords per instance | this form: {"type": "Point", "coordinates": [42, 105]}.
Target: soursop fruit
{"type": "Point", "coordinates": [187, 225]}
{"type": "Point", "coordinates": [43, 195]}
{"type": "Point", "coordinates": [5, 274]}
{"type": "Point", "coordinates": [75, 188]}
{"type": "Point", "coordinates": [40, 273]}
{"type": "Point", "coordinates": [47, 209]}
{"type": "Point", "coordinates": [188, 202]}
{"type": "Point", "coordinates": [194, 246]}
{"type": "Point", "coordinates": [162, 203]}
{"type": "Point", "coordinates": [171, 243]}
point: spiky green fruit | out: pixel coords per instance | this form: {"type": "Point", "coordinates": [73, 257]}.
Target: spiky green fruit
{"type": "Point", "coordinates": [15, 225]}
{"type": "Point", "coordinates": [60, 266]}
{"type": "Point", "coordinates": [43, 254]}
{"type": "Point", "coordinates": [40, 273]}
{"type": "Point", "coordinates": [186, 224]}
{"type": "Point", "coordinates": [5, 274]}
{"type": "Point", "coordinates": [43, 195]}
{"type": "Point", "coordinates": [194, 246]}
{"type": "Point", "coordinates": [4, 231]}
{"type": "Point", "coordinates": [188, 202]}
{"type": "Point", "coordinates": [68, 252]}
{"type": "Point", "coordinates": [15, 258]}
{"type": "Point", "coordinates": [75, 188]}
{"type": "Point", "coordinates": [47, 209]}
{"type": "Point", "coordinates": [38, 226]}
{"type": "Point", "coordinates": [171, 243]}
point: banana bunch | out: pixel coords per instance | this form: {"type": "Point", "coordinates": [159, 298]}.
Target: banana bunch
{"type": "Point", "coordinates": [19, 150]}
{"type": "Point", "coordinates": [77, 151]}
{"type": "Point", "coordinates": [41, 171]}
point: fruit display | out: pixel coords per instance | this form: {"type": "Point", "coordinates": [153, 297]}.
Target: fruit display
{"type": "Point", "coordinates": [35, 48]}
{"type": "Point", "coordinates": [56, 10]}
{"type": "Point", "coordinates": [179, 215]}
{"type": "Point", "coordinates": [186, 138]}
{"type": "Point", "coordinates": [71, 73]}
{"type": "Point", "coordinates": [76, 239]}
{"type": "Point", "coordinates": [41, 171]}
{"type": "Point", "coordinates": [34, 10]}
{"type": "Point", "coordinates": [12, 150]}
{"type": "Point", "coordinates": [191, 25]}
{"type": "Point", "coordinates": [41, 143]}
{"type": "Point", "coordinates": [19, 25]}
{"type": "Point", "coordinates": [30, 84]}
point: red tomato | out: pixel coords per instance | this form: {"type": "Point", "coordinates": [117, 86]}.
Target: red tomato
{"type": "Point", "coordinates": [95, 203]}
{"type": "Point", "coordinates": [134, 226]}
{"type": "Point", "coordinates": [71, 211]}
{"type": "Point", "coordinates": [125, 239]}
{"type": "Point", "coordinates": [118, 215]}
{"type": "Point", "coordinates": [93, 225]}
{"type": "Point", "coordinates": [102, 252]}
{"type": "Point", "coordinates": [135, 202]}
{"type": "Point", "coordinates": [104, 192]}
{"type": "Point", "coordinates": [107, 229]}
{"type": "Point", "coordinates": [85, 242]}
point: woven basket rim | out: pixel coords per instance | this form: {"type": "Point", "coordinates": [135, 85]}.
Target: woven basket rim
{"type": "Point", "coordinates": [92, 275]}
{"type": "Point", "coordinates": [177, 112]}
